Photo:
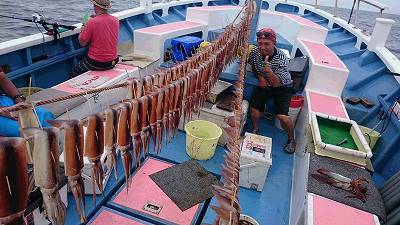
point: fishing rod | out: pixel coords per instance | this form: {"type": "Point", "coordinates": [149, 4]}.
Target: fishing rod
{"type": "Point", "coordinates": [51, 28]}
{"type": "Point", "coordinates": [351, 13]}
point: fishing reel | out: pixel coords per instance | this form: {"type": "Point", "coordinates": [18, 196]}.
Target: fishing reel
{"type": "Point", "coordinates": [37, 18]}
{"type": "Point", "coordinates": [51, 28]}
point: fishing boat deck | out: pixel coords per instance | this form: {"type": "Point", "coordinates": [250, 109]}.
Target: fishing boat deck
{"type": "Point", "coordinates": [271, 205]}
{"type": "Point", "coordinates": [367, 71]}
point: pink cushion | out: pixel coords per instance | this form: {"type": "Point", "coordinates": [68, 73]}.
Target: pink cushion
{"type": "Point", "coordinates": [88, 80]}
{"type": "Point", "coordinates": [170, 27]}
{"type": "Point", "coordinates": [322, 55]}
{"type": "Point", "coordinates": [329, 212]}
{"type": "Point", "coordinates": [326, 104]}
{"type": "Point", "coordinates": [217, 8]}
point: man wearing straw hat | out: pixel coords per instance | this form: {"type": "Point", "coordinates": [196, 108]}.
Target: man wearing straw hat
{"type": "Point", "coordinates": [100, 32]}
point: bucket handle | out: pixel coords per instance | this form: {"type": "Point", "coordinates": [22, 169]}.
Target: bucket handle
{"type": "Point", "coordinates": [254, 164]}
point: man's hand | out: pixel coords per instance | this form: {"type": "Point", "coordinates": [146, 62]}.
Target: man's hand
{"type": "Point", "coordinates": [274, 80]}
{"type": "Point", "coordinates": [18, 100]}
{"type": "Point", "coordinates": [263, 82]}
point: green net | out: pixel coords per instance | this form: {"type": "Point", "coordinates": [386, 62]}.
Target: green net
{"type": "Point", "coordinates": [334, 132]}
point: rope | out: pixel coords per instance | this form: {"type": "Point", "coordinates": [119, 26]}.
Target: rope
{"type": "Point", "coordinates": [24, 105]}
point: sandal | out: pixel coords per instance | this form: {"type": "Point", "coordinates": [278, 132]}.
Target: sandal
{"type": "Point", "coordinates": [367, 103]}
{"type": "Point", "coordinates": [353, 100]}
{"type": "Point", "coordinates": [256, 131]}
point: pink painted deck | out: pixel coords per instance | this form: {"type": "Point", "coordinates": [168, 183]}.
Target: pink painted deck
{"type": "Point", "coordinates": [126, 67]}
{"type": "Point", "coordinates": [170, 27]}
{"type": "Point", "coordinates": [328, 212]}
{"type": "Point", "coordinates": [329, 105]}
{"type": "Point", "coordinates": [89, 80]}
{"type": "Point", "coordinates": [322, 55]}
{"type": "Point", "coordinates": [110, 218]}
{"type": "Point", "coordinates": [303, 21]}
{"type": "Point", "coordinates": [143, 190]}
{"type": "Point", "coordinates": [217, 8]}
{"type": "Point", "coordinates": [296, 18]}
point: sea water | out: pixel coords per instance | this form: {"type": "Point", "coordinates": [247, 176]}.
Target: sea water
{"type": "Point", "coordinates": [73, 11]}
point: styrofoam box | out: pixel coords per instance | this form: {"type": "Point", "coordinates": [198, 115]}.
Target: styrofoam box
{"type": "Point", "coordinates": [218, 88]}
{"type": "Point", "coordinates": [255, 160]}
{"type": "Point", "coordinates": [217, 116]}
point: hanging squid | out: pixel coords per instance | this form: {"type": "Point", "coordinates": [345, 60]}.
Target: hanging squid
{"type": "Point", "coordinates": [177, 105]}
{"type": "Point", "coordinates": [72, 141]}
{"type": "Point", "coordinates": [166, 113]}
{"type": "Point", "coordinates": [47, 170]}
{"type": "Point", "coordinates": [110, 140]}
{"type": "Point", "coordinates": [144, 122]}
{"type": "Point", "coordinates": [171, 121]}
{"type": "Point", "coordinates": [153, 117]}
{"type": "Point", "coordinates": [94, 148]}
{"type": "Point", "coordinates": [135, 131]}
{"type": "Point", "coordinates": [26, 119]}
{"type": "Point", "coordinates": [159, 118]}
{"type": "Point", "coordinates": [184, 98]}
{"type": "Point", "coordinates": [123, 140]}
{"type": "Point", "coordinates": [13, 180]}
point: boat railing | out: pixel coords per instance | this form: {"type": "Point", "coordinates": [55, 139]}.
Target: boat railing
{"type": "Point", "coordinates": [380, 6]}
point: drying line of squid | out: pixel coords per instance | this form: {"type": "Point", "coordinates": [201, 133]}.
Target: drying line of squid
{"type": "Point", "coordinates": [228, 209]}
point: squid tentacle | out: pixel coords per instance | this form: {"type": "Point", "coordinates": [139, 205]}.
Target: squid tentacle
{"type": "Point", "coordinates": [78, 191]}
{"type": "Point", "coordinates": [55, 208]}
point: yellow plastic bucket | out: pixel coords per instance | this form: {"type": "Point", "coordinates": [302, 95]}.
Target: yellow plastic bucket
{"type": "Point", "coordinates": [25, 90]}
{"type": "Point", "coordinates": [201, 139]}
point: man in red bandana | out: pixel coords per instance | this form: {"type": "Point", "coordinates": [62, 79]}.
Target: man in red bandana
{"type": "Point", "coordinates": [270, 65]}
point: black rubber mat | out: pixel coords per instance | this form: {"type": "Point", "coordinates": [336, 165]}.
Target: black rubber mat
{"type": "Point", "coordinates": [373, 204]}
{"type": "Point", "coordinates": [186, 184]}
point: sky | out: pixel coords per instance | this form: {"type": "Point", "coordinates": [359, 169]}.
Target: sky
{"type": "Point", "coordinates": [394, 5]}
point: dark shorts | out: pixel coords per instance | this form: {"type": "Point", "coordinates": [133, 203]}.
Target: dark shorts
{"type": "Point", "coordinates": [280, 95]}
{"type": "Point", "coordinates": [87, 64]}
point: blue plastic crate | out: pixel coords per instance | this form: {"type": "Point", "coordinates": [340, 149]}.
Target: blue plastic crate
{"type": "Point", "coordinates": [184, 47]}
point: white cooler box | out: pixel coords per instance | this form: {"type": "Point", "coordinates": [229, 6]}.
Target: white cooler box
{"type": "Point", "coordinates": [217, 116]}
{"type": "Point", "coordinates": [255, 160]}
{"type": "Point", "coordinates": [97, 79]}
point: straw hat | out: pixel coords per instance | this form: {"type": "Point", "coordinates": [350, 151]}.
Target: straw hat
{"type": "Point", "coordinates": [104, 4]}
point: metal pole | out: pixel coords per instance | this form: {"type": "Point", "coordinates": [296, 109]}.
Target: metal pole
{"type": "Point", "coordinates": [335, 12]}
{"type": "Point", "coordinates": [357, 12]}
{"type": "Point", "coordinates": [316, 3]}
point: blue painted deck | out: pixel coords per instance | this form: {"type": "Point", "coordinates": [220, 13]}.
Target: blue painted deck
{"type": "Point", "coordinates": [367, 79]}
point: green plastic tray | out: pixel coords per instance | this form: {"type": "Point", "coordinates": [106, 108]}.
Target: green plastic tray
{"type": "Point", "coordinates": [333, 132]}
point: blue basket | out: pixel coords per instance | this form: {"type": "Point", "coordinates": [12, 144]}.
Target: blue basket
{"type": "Point", "coordinates": [184, 47]}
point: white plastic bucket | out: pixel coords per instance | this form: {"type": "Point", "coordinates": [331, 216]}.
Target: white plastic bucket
{"type": "Point", "coordinates": [296, 102]}
{"type": "Point", "coordinates": [201, 139]}
{"type": "Point", "coordinates": [247, 220]}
